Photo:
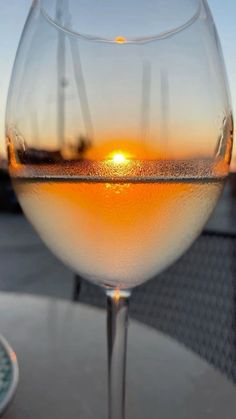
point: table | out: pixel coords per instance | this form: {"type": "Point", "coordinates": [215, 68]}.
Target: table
{"type": "Point", "coordinates": [61, 350]}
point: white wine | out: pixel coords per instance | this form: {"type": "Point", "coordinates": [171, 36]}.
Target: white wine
{"type": "Point", "coordinates": [120, 233]}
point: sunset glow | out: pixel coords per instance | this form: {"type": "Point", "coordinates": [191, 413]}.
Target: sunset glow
{"type": "Point", "coordinates": [120, 40]}
{"type": "Point", "coordinates": [118, 157]}
{"type": "Point", "coordinates": [116, 296]}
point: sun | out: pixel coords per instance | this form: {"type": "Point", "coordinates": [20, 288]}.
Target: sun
{"type": "Point", "coordinates": [119, 157]}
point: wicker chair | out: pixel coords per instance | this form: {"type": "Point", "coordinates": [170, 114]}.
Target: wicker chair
{"type": "Point", "coordinates": [193, 301]}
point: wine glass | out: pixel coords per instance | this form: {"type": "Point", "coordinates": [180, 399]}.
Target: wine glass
{"type": "Point", "coordinates": [119, 136]}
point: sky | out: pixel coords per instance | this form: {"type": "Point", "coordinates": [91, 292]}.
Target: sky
{"type": "Point", "coordinates": [14, 12]}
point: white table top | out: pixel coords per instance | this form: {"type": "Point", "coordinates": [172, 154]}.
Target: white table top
{"type": "Point", "coordinates": [61, 349]}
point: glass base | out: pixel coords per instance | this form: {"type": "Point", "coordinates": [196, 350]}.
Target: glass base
{"type": "Point", "coordinates": [9, 373]}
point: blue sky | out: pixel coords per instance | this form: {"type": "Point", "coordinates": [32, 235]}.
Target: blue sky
{"type": "Point", "coordinates": [13, 14]}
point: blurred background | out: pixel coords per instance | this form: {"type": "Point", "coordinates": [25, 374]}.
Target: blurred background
{"type": "Point", "coordinates": [27, 266]}
{"type": "Point", "coordinates": [14, 13]}
{"type": "Point", "coordinates": [20, 247]}
{"type": "Point", "coordinates": [16, 271]}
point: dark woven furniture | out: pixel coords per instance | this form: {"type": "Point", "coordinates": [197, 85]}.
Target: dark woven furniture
{"type": "Point", "coordinates": [193, 301]}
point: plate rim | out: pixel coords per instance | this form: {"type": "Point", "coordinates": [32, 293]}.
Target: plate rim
{"type": "Point", "coordinates": [15, 374]}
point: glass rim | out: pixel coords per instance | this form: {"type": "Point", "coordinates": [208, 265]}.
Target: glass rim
{"type": "Point", "coordinates": [122, 40]}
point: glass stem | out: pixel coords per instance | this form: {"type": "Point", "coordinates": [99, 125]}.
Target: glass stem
{"type": "Point", "coordinates": [117, 325]}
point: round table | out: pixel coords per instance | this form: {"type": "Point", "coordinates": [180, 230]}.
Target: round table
{"type": "Point", "coordinates": [61, 350]}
